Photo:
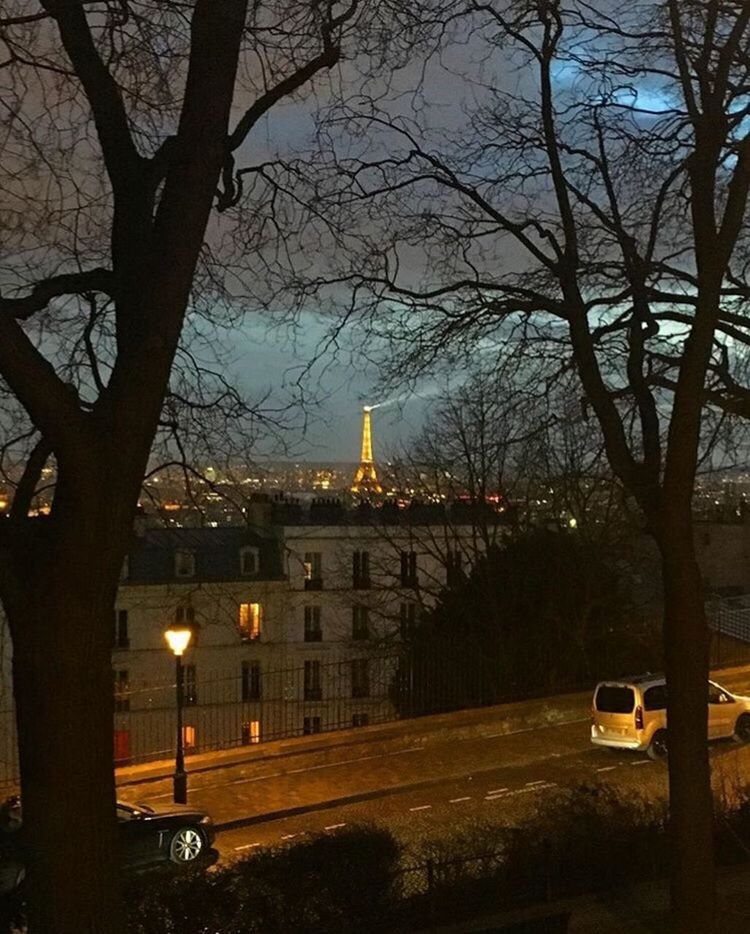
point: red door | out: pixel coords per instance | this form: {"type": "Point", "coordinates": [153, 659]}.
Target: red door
{"type": "Point", "coordinates": [122, 747]}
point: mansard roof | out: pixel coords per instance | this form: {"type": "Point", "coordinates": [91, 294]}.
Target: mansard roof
{"type": "Point", "coordinates": [217, 551]}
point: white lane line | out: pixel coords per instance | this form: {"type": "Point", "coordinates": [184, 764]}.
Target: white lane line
{"type": "Point", "coordinates": [539, 781]}
{"type": "Point", "coordinates": [422, 807]}
{"type": "Point", "coordinates": [642, 762]}
{"type": "Point", "coordinates": [243, 781]}
{"type": "Point", "coordinates": [606, 768]}
{"type": "Point", "coordinates": [154, 797]}
{"type": "Point", "coordinates": [289, 836]}
{"type": "Point", "coordinates": [247, 846]}
{"type": "Point", "coordinates": [334, 826]}
{"type": "Point", "coordinates": [533, 729]}
{"type": "Point", "coordinates": [333, 765]}
{"type": "Point", "coordinates": [495, 797]}
{"type": "Point", "coordinates": [496, 791]}
{"type": "Point", "coordinates": [456, 800]}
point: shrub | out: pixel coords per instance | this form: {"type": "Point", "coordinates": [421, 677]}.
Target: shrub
{"type": "Point", "coordinates": [328, 884]}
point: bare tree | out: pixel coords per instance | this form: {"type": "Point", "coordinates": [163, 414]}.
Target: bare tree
{"type": "Point", "coordinates": [124, 124]}
{"type": "Point", "coordinates": [583, 200]}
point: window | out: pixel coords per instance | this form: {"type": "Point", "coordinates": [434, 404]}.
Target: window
{"type": "Point", "coordinates": [249, 561]}
{"type": "Point", "coordinates": [188, 737]}
{"type": "Point", "coordinates": [313, 628]}
{"type": "Point", "coordinates": [313, 567]}
{"type": "Point", "coordinates": [125, 569]}
{"type": "Point", "coordinates": [361, 569]}
{"type": "Point", "coordinates": [408, 569]}
{"type": "Point", "coordinates": [655, 698]}
{"type": "Point", "coordinates": [360, 623]}
{"type": "Point", "coordinates": [250, 732]}
{"type": "Point", "coordinates": [251, 681]}
{"type": "Point", "coordinates": [251, 620]}
{"type": "Point", "coordinates": [360, 719]}
{"type": "Point", "coordinates": [717, 695]}
{"type": "Point", "coordinates": [613, 699]}
{"type": "Point", "coordinates": [313, 690]}
{"type": "Point", "coordinates": [360, 677]}
{"type": "Point", "coordinates": [190, 689]}
{"type": "Point", "coordinates": [311, 725]}
{"type": "Point", "coordinates": [453, 570]}
{"type": "Point", "coordinates": [184, 563]}
{"type": "Point", "coordinates": [121, 630]}
{"type": "Point", "coordinates": [408, 621]}
{"type": "Point", "coordinates": [122, 691]}
{"type": "Point", "coordinates": [185, 614]}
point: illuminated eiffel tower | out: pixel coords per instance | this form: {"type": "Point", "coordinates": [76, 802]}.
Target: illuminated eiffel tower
{"type": "Point", "coordinates": [366, 478]}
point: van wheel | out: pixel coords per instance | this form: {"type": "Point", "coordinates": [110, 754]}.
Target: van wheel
{"type": "Point", "coordinates": [658, 748]}
{"type": "Point", "coordinates": [742, 728]}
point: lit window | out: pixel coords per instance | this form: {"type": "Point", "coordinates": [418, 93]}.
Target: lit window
{"type": "Point", "coordinates": [188, 737]}
{"type": "Point", "coordinates": [250, 732]}
{"type": "Point", "coordinates": [313, 570]}
{"type": "Point", "coordinates": [184, 563]}
{"type": "Point", "coordinates": [251, 620]}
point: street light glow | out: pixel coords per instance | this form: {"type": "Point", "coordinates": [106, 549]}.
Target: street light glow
{"type": "Point", "coordinates": [178, 638]}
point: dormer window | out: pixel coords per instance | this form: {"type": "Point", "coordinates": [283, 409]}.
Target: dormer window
{"type": "Point", "coordinates": [184, 563]}
{"type": "Point", "coordinates": [249, 561]}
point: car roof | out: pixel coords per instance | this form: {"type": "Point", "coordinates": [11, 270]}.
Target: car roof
{"type": "Point", "coordinates": [648, 678]}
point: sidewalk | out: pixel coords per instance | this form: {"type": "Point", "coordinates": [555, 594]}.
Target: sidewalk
{"type": "Point", "coordinates": [437, 728]}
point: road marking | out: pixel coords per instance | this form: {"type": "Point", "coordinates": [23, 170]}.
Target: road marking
{"type": "Point", "coordinates": [154, 797]}
{"type": "Point", "coordinates": [606, 768]}
{"type": "Point", "coordinates": [533, 729]}
{"type": "Point", "coordinates": [289, 836]}
{"type": "Point", "coordinates": [333, 765]}
{"type": "Point", "coordinates": [539, 781]}
{"type": "Point", "coordinates": [497, 791]}
{"type": "Point", "coordinates": [422, 807]}
{"type": "Point", "coordinates": [642, 762]}
{"type": "Point", "coordinates": [247, 846]}
{"type": "Point", "coordinates": [495, 797]}
{"type": "Point", "coordinates": [243, 781]}
{"type": "Point", "coordinates": [334, 826]}
{"type": "Point", "coordinates": [456, 800]}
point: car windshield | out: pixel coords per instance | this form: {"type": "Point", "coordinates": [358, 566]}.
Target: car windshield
{"type": "Point", "coordinates": [611, 698]}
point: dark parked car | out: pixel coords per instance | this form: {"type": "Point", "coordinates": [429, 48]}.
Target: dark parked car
{"type": "Point", "coordinates": [176, 834]}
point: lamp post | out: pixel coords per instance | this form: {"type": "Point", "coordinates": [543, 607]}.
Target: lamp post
{"type": "Point", "coordinates": [178, 638]}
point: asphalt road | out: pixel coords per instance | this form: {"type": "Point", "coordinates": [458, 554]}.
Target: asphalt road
{"type": "Point", "coordinates": [432, 788]}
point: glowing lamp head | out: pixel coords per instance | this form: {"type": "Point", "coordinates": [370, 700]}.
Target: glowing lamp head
{"type": "Point", "coordinates": [178, 638]}
{"type": "Point", "coordinates": [367, 408]}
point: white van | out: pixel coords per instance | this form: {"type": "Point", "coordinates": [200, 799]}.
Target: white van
{"type": "Point", "coordinates": [632, 714]}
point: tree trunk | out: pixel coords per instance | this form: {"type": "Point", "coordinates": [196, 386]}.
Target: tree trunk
{"type": "Point", "coordinates": [62, 680]}
{"type": "Point", "coordinates": [693, 900]}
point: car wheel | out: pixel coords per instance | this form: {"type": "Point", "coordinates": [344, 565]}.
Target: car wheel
{"type": "Point", "coordinates": [742, 728]}
{"type": "Point", "coordinates": [658, 748]}
{"type": "Point", "coordinates": [186, 845]}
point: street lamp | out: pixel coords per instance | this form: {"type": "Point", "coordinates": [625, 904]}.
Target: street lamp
{"type": "Point", "coordinates": [178, 638]}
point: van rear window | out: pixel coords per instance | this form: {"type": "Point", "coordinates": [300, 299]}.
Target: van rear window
{"type": "Point", "coordinates": [610, 699]}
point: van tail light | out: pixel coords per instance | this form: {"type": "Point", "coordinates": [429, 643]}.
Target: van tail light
{"type": "Point", "coordinates": [639, 717]}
